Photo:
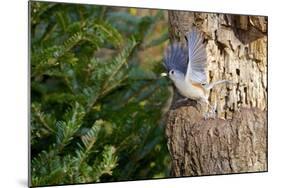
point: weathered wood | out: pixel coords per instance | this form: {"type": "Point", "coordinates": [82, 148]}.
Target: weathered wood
{"type": "Point", "coordinates": [235, 141]}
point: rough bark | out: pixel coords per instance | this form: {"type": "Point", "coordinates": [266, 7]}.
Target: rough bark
{"type": "Point", "coordinates": [235, 141]}
{"type": "Point", "coordinates": [216, 146]}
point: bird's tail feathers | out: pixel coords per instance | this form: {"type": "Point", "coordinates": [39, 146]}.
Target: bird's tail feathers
{"type": "Point", "coordinates": [211, 85]}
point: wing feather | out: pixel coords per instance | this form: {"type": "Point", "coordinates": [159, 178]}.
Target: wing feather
{"type": "Point", "coordinates": [196, 70]}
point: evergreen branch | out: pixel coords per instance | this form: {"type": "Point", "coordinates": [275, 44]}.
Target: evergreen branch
{"type": "Point", "coordinates": [72, 41]}
{"type": "Point", "coordinates": [119, 61]}
{"type": "Point", "coordinates": [59, 97]}
{"type": "Point", "coordinates": [53, 178]}
{"type": "Point", "coordinates": [110, 32]}
{"type": "Point", "coordinates": [113, 86]}
{"type": "Point", "coordinates": [41, 117]}
{"type": "Point", "coordinates": [67, 129]}
{"type": "Point", "coordinates": [106, 164]}
{"type": "Point", "coordinates": [109, 72]}
{"type": "Point", "coordinates": [62, 20]}
{"type": "Point", "coordinates": [93, 94]}
{"type": "Point", "coordinates": [49, 161]}
{"type": "Point", "coordinates": [50, 29]}
{"type": "Point", "coordinates": [38, 9]}
{"type": "Point", "coordinates": [49, 57]}
{"type": "Point", "coordinates": [89, 139]}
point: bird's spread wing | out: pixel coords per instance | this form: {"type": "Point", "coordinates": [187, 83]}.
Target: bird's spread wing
{"type": "Point", "coordinates": [196, 70]}
{"type": "Point", "coordinates": [176, 58]}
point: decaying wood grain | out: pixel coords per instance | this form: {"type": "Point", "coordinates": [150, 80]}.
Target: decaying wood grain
{"type": "Point", "coordinates": [235, 141]}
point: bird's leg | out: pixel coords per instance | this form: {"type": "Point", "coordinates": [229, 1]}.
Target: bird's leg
{"type": "Point", "coordinates": [210, 114]}
{"type": "Point", "coordinates": [203, 110]}
{"type": "Point", "coordinates": [213, 112]}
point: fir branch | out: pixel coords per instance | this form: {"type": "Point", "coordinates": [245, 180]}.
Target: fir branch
{"type": "Point", "coordinates": [66, 129]}
{"type": "Point", "coordinates": [38, 9]}
{"type": "Point", "coordinates": [50, 56]}
{"type": "Point", "coordinates": [89, 139]}
{"type": "Point", "coordinates": [106, 164]}
{"type": "Point", "coordinates": [50, 29]}
{"type": "Point", "coordinates": [41, 117]}
{"type": "Point", "coordinates": [110, 32]}
{"type": "Point", "coordinates": [108, 72]}
{"type": "Point", "coordinates": [118, 63]}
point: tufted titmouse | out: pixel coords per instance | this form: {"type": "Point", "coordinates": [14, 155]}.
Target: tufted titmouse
{"type": "Point", "coordinates": [190, 78]}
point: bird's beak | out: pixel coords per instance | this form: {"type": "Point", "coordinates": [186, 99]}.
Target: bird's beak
{"type": "Point", "coordinates": [164, 74]}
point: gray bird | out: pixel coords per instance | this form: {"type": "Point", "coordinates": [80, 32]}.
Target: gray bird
{"type": "Point", "coordinates": [186, 67]}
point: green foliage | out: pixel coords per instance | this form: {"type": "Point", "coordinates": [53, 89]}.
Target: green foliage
{"type": "Point", "coordinates": [95, 112]}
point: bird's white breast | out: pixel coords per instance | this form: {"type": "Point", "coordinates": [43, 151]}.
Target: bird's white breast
{"type": "Point", "coordinates": [188, 90]}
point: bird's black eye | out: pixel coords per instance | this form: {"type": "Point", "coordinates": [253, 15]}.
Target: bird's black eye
{"type": "Point", "coordinates": [172, 72]}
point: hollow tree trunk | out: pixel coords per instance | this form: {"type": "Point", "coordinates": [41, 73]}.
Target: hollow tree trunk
{"type": "Point", "coordinates": [236, 140]}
